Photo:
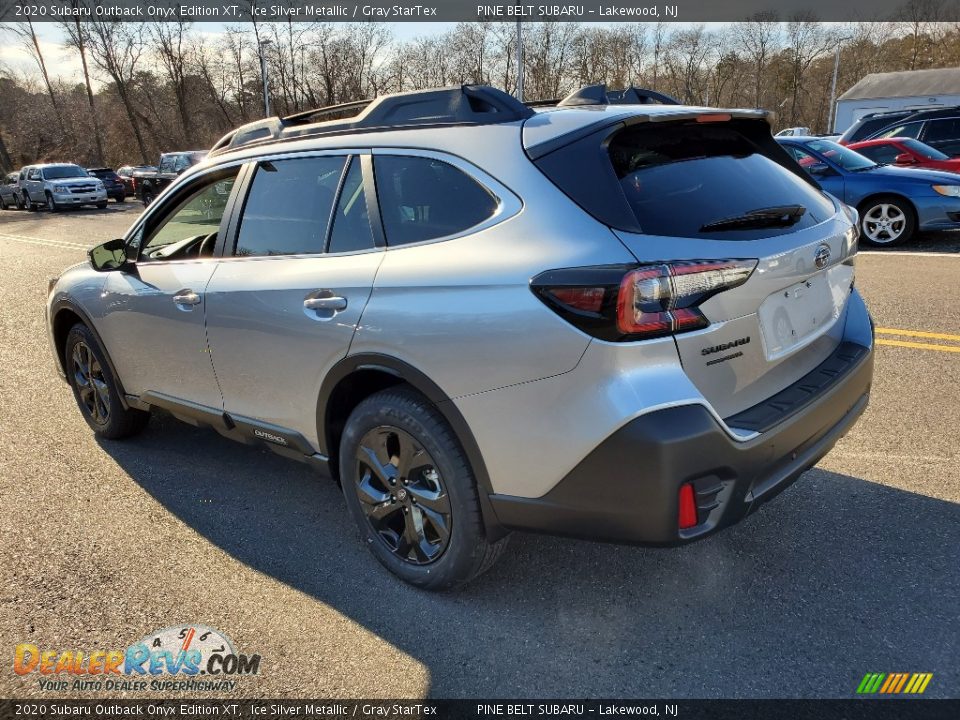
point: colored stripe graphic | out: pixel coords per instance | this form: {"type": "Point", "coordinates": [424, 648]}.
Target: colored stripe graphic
{"type": "Point", "coordinates": [894, 683]}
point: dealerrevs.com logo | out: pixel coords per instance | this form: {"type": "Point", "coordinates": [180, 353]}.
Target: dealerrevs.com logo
{"type": "Point", "coordinates": [184, 658]}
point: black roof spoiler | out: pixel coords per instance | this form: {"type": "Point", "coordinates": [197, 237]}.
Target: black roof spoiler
{"type": "Point", "coordinates": [464, 105]}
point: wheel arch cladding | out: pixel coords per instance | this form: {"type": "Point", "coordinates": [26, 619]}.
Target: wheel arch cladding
{"type": "Point", "coordinates": [357, 377]}
{"type": "Point", "coordinates": [65, 315]}
{"type": "Point", "coordinates": [63, 321]}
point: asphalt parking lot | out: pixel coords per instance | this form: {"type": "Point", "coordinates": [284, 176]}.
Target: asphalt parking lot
{"type": "Point", "coordinates": [854, 569]}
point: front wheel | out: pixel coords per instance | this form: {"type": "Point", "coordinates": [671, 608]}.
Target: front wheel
{"type": "Point", "coordinates": [887, 221]}
{"type": "Point", "coordinates": [411, 492]}
{"type": "Point", "coordinates": [51, 203]}
{"type": "Point", "coordinates": [96, 390]}
{"type": "Point", "coordinates": [102, 205]}
{"type": "Point", "coordinates": [147, 196]}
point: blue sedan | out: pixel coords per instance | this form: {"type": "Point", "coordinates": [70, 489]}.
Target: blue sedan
{"type": "Point", "coordinates": [893, 202]}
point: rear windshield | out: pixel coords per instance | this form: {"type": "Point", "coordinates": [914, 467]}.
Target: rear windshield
{"type": "Point", "coordinates": [924, 150]}
{"type": "Point", "coordinates": [685, 179]}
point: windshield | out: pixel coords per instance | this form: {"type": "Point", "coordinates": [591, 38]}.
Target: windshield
{"type": "Point", "coordinates": [924, 150]}
{"type": "Point", "coordinates": [64, 171]}
{"type": "Point", "coordinates": [844, 157]}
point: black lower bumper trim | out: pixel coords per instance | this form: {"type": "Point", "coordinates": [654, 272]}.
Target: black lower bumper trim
{"type": "Point", "coordinates": [791, 400]}
{"type": "Point", "coordinates": [627, 489]}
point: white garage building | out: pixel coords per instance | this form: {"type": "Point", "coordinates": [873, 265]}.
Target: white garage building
{"type": "Point", "coordinates": [908, 90]}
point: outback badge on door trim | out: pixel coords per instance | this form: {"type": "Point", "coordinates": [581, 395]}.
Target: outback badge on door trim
{"type": "Point", "coordinates": [822, 256]}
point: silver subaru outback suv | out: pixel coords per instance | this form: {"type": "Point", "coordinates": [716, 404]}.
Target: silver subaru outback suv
{"type": "Point", "coordinates": [609, 318]}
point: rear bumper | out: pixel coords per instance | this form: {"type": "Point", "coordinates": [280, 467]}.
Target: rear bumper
{"type": "Point", "coordinates": [627, 489]}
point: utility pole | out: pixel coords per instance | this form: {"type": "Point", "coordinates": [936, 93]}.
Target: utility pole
{"type": "Point", "coordinates": [263, 75]}
{"type": "Point", "coordinates": [519, 61]}
{"type": "Point", "coordinates": [831, 112]}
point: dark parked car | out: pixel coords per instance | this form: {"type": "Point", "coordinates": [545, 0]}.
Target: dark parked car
{"type": "Point", "coordinates": [938, 128]}
{"type": "Point", "coordinates": [906, 152]}
{"type": "Point", "coordinates": [111, 182]}
{"type": "Point", "coordinates": [8, 187]}
{"type": "Point", "coordinates": [171, 166]}
{"type": "Point", "coordinates": [893, 202]}
{"type": "Point", "coordinates": [129, 174]}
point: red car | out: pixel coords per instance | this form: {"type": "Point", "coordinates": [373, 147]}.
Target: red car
{"type": "Point", "coordinates": [906, 152]}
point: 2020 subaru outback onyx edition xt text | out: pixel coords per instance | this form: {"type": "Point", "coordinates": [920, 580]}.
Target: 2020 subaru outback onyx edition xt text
{"type": "Point", "coordinates": [633, 323]}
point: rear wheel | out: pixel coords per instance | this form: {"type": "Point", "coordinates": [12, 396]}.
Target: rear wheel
{"type": "Point", "coordinates": [886, 221]}
{"type": "Point", "coordinates": [3, 203]}
{"type": "Point", "coordinates": [410, 489]}
{"type": "Point", "coordinates": [96, 390]}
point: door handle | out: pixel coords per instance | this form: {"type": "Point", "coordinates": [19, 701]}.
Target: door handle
{"type": "Point", "coordinates": [331, 302]}
{"type": "Point", "coordinates": [186, 297]}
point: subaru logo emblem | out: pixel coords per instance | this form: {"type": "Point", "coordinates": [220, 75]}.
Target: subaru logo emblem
{"type": "Point", "coordinates": [822, 256]}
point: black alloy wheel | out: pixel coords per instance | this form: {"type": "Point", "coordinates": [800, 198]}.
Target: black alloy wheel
{"type": "Point", "coordinates": [402, 495]}
{"type": "Point", "coordinates": [94, 392]}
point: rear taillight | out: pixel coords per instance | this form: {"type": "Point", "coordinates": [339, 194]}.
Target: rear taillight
{"type": "Point", "coordinates": [638, 303]}
{"type": "Point", "coordinates": [662, 299]}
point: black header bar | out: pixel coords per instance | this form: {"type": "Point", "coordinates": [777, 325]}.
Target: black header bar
{"type": "Point", "coordinates": [230, 11]}
{"type": "Point", "coordinates": [853, 709]}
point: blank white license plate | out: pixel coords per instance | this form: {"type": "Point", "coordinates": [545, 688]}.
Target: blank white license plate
{"type": "Point", "coordinates": [795, 315]}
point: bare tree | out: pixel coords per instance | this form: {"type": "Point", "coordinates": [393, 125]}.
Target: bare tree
{"type": "Point", "coordinates": [758, 38]}
{"type": "Point", "coordinates": [116, 49]}
{"type": "Point", "coordinates": [76, 37]}
{"type": "Point", "coordinates": [31, 44]}
{"type": "Point", "coordinates": [171, 45]}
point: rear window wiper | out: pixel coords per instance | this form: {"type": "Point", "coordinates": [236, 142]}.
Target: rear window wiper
{"type": "Point", "coordinates": [776, 216]}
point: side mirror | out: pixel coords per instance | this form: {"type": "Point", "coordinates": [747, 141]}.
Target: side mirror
{"type": "Point", "coordinates": [820, 170]}
{"type": "Point", "coordinates": [111, 255]}
{"type": "Point", "coordinates": [905, 159]}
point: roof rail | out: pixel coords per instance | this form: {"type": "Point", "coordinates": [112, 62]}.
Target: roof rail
{"type": "Point", "coordinates": [599, 95]}
{"type": "Point", "coordinates": [464, 105]}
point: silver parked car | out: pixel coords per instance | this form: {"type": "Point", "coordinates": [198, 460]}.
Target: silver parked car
{"type": "Point", "coordinates": [633, 323]}
{"type": "Point", "coordinates": [8, 191]}
{"type": "Point", "coordinates": [60, 185]}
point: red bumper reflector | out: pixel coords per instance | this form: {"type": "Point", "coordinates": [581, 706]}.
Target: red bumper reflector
{"type": "Point", "coordinates": [688, 507]}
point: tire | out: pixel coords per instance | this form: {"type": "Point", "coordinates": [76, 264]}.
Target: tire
{"type": "Point", "coordinates": [101, 205]}
{"type": "Point", "coordinates": [3, 203]}
{"type": "Point", "coordinates": [121, 198]}
{"type": "Point", "coordinates": [52, 204]}
{"type": "Point", "coordinates": [384, 436]}
{"type": "Point", "coordinates": [19, 202]}
{"type": "Point", "coordinates": [95, 389]}
{"type": "Point", "coordinates": [147, 196]}
{"type": "Point", "coordinates": [896, 212]}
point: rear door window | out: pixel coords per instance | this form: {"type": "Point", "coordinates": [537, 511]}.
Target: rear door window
{"type": "Point", "coordinates": [681, 179]}
{"type": "Point", "coordinates": [425, 199]}
{"type": "Point", "coordinates": [289, 205]}
{"type": "Point", "coordinates": [938, 130]}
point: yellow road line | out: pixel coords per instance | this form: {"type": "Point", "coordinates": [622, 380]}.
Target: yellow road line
{"type": "Point", "coordinates": [919, 346]}
{"type": "Point", "coordinates": [918, 333]}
